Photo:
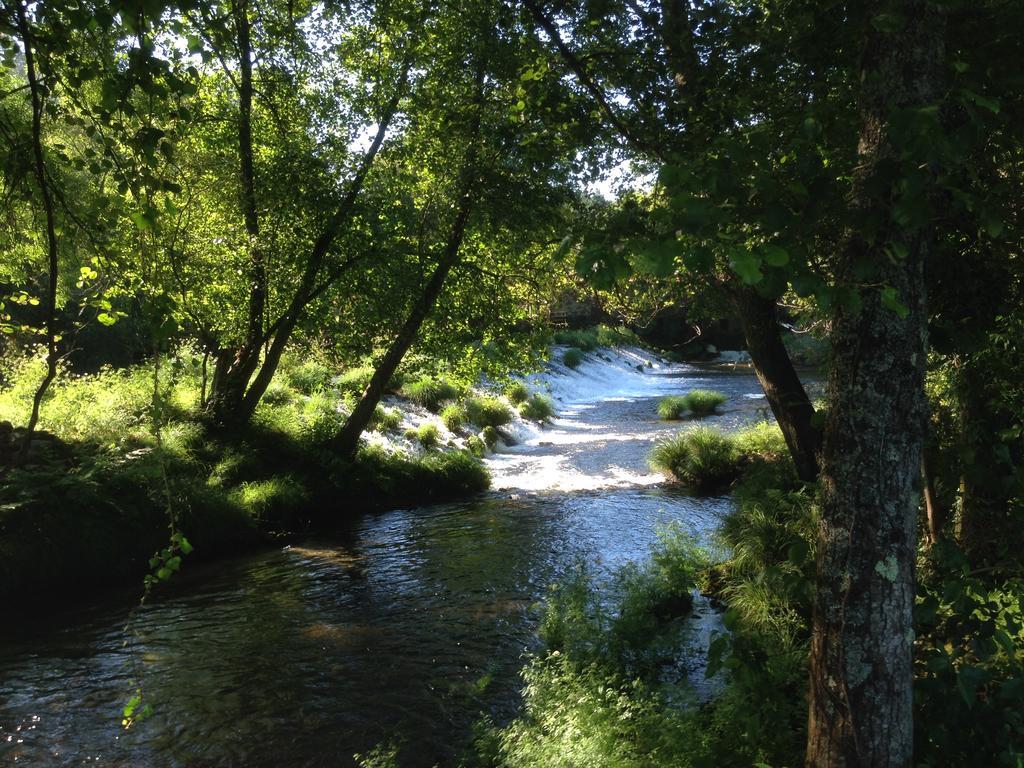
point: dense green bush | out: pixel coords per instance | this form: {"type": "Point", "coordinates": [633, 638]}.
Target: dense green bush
{"type": "Point", "coordinates": [584, 339]}
{"type": "Point", "coordinates": [453, 416]}
{"type": "Point", "coordinates": [490, 437]}
{"type": "Point", "coordinates": [487, 411]}
{"type": "Point", "coordinates": [385, 419]}
{"type": "Point", "coordinates": [309, 375]}
{"type": "Point", "coordinates": [704, 402]}
{"type": "Point", "coordinates": [517, 392]}
{"type": "Point", "coordinates": [432, 393]}
{"type": "Point", "coordinates": [427, 435]}
{"type": "Point", "coordinates": [476, 446]}
{"type": "Point", "coordinates": [572, 357]}
{"type": "Point", "coordinates": [273, 498]}
{"type": "Point", "coordinates": [537, 407]}
{"type": "Point", "coordinates": [616, 337]}
{"type": "Point", "coordinates": [705, 459]}
{"type": "Point", "coordinates": [672, 407]}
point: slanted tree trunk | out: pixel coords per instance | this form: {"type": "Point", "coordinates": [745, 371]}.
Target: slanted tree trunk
{"type": "Point", "coordinates": [39, 168]}
{"type": "Point", "coordinates": [782, 386]}
{"type": "Point", "coordinates": [861, 668]}
{"type": "Point", "coordinates": [346, 441]}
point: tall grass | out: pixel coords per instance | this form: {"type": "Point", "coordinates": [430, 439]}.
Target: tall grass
{"type": "Point", "coordinates": [487, 411]}
{"type": "Point", "coordinates": [537, 408]}
{"type": "Point", "coordinates": [432, 393]}
{"type": "Point", "coordinates": [517, 392]}
{"type": "Point", "coordinates": [572, 357]}
{"type": "Point", "coordinates": [704, 402]}
{"type": "Point", "coordinates": [672, 407]}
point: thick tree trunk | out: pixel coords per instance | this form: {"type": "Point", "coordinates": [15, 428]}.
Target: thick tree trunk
{"type": "Point", "coordinates": [346, 441]}
{"type": "Point", "coordinates": [782, 387]}
{"type": "Point", "coordinates": [861, 667]}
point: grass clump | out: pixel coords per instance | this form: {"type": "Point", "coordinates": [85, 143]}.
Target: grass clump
{"type": "Point", "coordinates": [672, 407]}
{"type": "Point", "coordinates": [517, 392]}
{"type": "Point", "coordinates": [453, 416]}
{"type": "Point", "coordinates": [309, 375]}
{"type": "Point", "coordinates": [699, 402]}
{"type": "Point", "coordinates": [385, 419]}
{"type": "Point", "coordinates": [537, 408]}
{"type": "Point", "coordinates": [427, 435]}
{"type": "Point", "coordinates": [489, 435]}
{"type": "Point", "coordinates": [704, 402]}
{"type": "Point", "coordinates": [593, 693]}
{"type": "Point", "coordinates": [572, 357]}
{"type": "Point", "coordinates": [580, 338]}
{"type": "Point", "coordinates": [487, 411]}
{"type": "Point", "coordinates": [616, 337]}
{"type": "Point", "coordinates": [702, 458]}
{"type": "Point", "coordinates": [274, 497]}
{"type": "Point", "coordinates": [476, 446]}
{"type": "Point", "coordinates": [432, 393]}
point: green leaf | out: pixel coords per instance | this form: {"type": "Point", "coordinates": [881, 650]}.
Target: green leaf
{"type": "Point", "coordinates": [774, 256]}
{"type": "Point", "coordinates": [891, 301]}
{"type": "Point", "coordinates": [747, 265]}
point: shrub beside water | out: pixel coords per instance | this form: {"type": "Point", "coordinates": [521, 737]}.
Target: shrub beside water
{"type": "Point", "coordinates": [703, 458]}
{"type": "Point", "coordinates": [672, 407]}
{"type": "Point", "coordinates": [487, 411]}
{"type": "Point", "coordinates": [517, 392]}
{"type": "Point", "coordinates": [431, 393]}
{"type": "Point", "coordinates": [453, 416]}
{"type": "Point", "coordinates": [699, 402]}
{"type": "Point", "coordinates": [385, 419]}
{"type": "Point", "coordinates": [572, 357]}
{"type": "Point", "coordinates": [704, 402]}
{"type": "Point", "coordinates": [538, 408]}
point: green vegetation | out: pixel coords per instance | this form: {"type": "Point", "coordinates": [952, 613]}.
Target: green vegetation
{"type": "Point", "coordinates": [704, 402]}
{"type": "Point", "coordinates": [490, 436]}
{"type": "Point", "coordinates": [454, 416]}
{"type": "Point", "coordinates": [517, 392]}
{"type": "Point", "coordinates": [427, 435]}
{"type": "Point", "coordinates": [487, 411]}
{"type": "Point", "coordinates": [708, 460]}
{"type": "Point", "coordinates": [702, 458]}
{"type": "Point", "coordinates": [699, 402]}
{"type": "Point", "coordinates": [386, 419]}
{"type": "Point", "coordinates": [672, 407]}
{"type": "Point", "coordinates": [432, 393]}
{"type": "Point", "coordinates": [537, 407]}
{"type": "Point", "coordinates": [589, 339]}
{"type": "Point", "coordinates": [572, 357]}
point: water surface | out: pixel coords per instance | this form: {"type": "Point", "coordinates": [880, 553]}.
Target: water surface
{"type": "Point", "coordinates": [409, 625]}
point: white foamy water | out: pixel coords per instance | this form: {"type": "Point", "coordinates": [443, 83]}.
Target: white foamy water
{"type": "Point", "coordinates": [607, 421]}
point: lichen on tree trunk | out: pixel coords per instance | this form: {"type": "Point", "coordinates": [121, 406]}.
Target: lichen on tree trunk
{"type": "Point", "coordinates": [861, 664]}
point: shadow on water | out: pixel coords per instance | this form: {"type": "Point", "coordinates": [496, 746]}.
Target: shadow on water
{"type": "Point", "coordinates": [412, 622]}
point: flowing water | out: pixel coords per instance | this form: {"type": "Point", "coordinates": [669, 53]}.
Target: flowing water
{"type": "Point", "coordinates": [408, 627]}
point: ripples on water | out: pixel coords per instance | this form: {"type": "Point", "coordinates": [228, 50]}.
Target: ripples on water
{"type": "Point", "coordinates": [411, 623]}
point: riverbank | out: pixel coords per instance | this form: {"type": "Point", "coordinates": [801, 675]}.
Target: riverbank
{"type": "Point", "coordinates": [99, 494]}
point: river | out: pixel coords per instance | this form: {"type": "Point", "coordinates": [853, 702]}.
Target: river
{"type": "Point", "coordinates": [408, 625]}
